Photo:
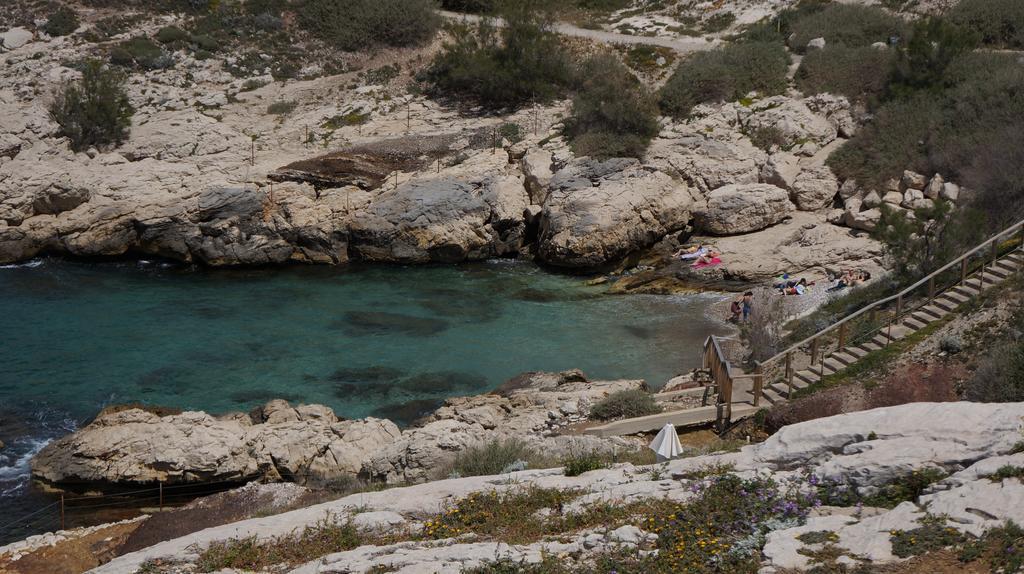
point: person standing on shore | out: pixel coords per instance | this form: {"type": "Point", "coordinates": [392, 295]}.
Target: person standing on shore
{"type": "Point", "coordinates": [748, 304]}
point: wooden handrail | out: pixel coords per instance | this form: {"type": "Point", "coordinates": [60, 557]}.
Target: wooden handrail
{"type": "Point", "coordinates": [881, 302]}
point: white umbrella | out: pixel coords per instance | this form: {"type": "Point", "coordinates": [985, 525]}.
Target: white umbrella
{"type": "Point", "coordinates": [666, 444]}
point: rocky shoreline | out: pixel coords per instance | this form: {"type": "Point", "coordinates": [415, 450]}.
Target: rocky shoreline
{"type": "Point", "coordinates": [309, 444]}
{"type": "Point", "coordinates": [217, 182]}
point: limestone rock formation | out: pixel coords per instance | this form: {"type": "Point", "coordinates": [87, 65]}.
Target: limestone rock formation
{"type": "Point", "coordinates": [707, 163]}
{"type": "Point", "coordinates": [814, 188]}
{"type": "Point", "coordinates": [743, 208]}
{"type": "Point", "coordinates": [597, 212]}
{"type": "Point", "coordinates": [441, 220]}
{"type": "Point", "coordinates": [133, 446]}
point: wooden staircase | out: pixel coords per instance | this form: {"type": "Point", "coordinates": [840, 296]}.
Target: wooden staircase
{"type": "Point", "coordinates": [742, 394]}
{"type": "Point", "coordinates": [935, 309]}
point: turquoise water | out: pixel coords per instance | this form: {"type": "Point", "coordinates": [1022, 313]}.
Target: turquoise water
{"type": "Point", "coordinates": [384, 341]}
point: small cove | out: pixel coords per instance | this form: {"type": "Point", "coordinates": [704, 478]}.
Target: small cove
{"type": "Point", "coordinates": [383, 341]}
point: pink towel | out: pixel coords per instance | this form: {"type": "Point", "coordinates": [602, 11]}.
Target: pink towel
{"type": "Point", "coordinates": [712, 263]}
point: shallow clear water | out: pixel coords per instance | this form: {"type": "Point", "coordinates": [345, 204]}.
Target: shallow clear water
{"type": "Point", "coordinates": [384, 341]}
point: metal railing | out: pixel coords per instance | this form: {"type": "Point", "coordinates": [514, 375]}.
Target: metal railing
{"type": "Point", "coordinates": [894, 307]}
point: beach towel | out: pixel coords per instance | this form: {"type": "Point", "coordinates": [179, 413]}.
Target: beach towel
{"type": "Point", "coordinates": [703, 264]}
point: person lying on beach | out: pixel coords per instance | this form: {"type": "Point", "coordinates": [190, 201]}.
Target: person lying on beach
{"type": "Point", "coordinates": [799, 288]}
{"type": "Point", "coordinates": [692, 252]}
{"type": "Point", "coordinates": [850, 279]}
{"type": "Point", "coordinates": [711, 257]}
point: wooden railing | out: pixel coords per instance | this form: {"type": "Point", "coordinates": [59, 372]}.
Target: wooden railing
{"type": "Point", "coordinates": [894, 307]}
{"type": "Point", "coordinates": [718, 366]}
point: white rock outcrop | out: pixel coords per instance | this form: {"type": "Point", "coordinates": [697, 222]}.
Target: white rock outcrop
{"type": "Point", "coordinates": [743, 208]}
{"type": "Point", "coordinates": [598, 212]}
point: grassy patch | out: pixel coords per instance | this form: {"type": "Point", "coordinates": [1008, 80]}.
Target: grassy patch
{"type": "Point", "coordinates": [818, 537]}
{"type": "Point", "coordinates": [577, 465]}
{"type": "Point", "coordinates": [360, 24]}
{"type": "Point", "coordinates": [933, 534]}
{"type": "Point", "coordinates": [1001, 547]}
{"type": "Point", "coordinates": [493, 457]}
{"type": "Point", "coordinates": [999, 23]}
{"type": "Point", "coordinates": [520, 516]}
{"type": "Point", "coordinates": [905, 488]}
{"type": "Point", "coordinates": [1007, 471]}
{"type": "Point", "coordinates": [313, 542]}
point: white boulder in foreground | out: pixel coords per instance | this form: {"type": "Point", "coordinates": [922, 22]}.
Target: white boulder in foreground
{"type": "Point", "coordinates": [958, 437]}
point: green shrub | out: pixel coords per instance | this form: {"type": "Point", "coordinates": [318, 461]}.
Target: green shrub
{"type": "Point", "coordinates": [511, 132]}
{"type": "Point", "coordinates": [586, 462]}
{"type": "Point", "coordinates": [998, 22]}
{"type": "Point", "coordinates": [141, 52]}
{"type": "Point", "coordinates": [61, 22]}
{"type": "Point", "coordinates": [95, 110]}
{"type": "Point", "coordinates": [493, 457]}
{"type": "Point", "coordinates": [933, 46]}
{"type": "Point", "coordinates": [171, 34]}
{"type": "Point", "coordinates": [360, 24]}
{"type": "Point", "coordinates": [501, 67]}
{"type": "Point", "coordinates": [612, 114]}
{"type": "Point", "coordinates": [471, 6]}
{"type": "Point", "coordinates": [282, 108]}
{"type": "Point", "coordinates": [768, 137]}
{"type": "Point", "coordinates": [725, 74]}
{"type": "Point", "coordinates": [625, 404]}
{"type": "Point", "coordinates": [857, 73]}
{"type": "Point", "coordinates": [847, 24]}
{"type": "Point", "coordinates": [204, 42]}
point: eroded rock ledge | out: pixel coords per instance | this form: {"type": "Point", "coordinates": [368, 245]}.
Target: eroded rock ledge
{"type": "Point", "coordinates": [310, 444]}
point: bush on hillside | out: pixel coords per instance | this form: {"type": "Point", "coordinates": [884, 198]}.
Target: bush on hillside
{"type": "Point", "coordinates": [95, 110]}
{"type": "Point", "coordinates": [725, 74]}
{"type": "Point", "coordinates": [933, 46]}
{"type": "Point", "coordinates": [471, 6]}
{"type": "Point", "coordinates": [171, 34]}
{"type": "Point", "coordinates": [625, 404]}
{"type": "Point", "coordinates": [998, 22]}
{"type": "Point", "coordinates": [141, 52]}
{"type": "Point", "coordinates": [62, 22]}
{"type": "Point", "coordinates": [501, 67]}
{"type": "Point", "coordinates": [354, 25]}
{"type": "Point", "coordinates": [847, 24]}
{"type": "Point", "coordinates": [857, 73]}
{"type": "Point", "coordinates": [970, 129]}
{"type": "Point", "coordinates": [493, 457]}
{"type": "Point", "coordinates": [612, 114]}
{"type": "Point", "coordinates": [1000, 376]}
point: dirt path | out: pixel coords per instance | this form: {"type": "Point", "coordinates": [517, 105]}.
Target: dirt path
{"type": "Point", "coordinates": [679, 45]}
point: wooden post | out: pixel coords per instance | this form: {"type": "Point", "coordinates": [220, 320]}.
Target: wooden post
{"type": "Point", "coordinates": [888, 333]}
{"type": "Point", "coordinates": [821, 365]}
{"type": "Point", "coordinates": [963, 270]}
{"type": "Point", "coordinates": [899, 305]}
{"type": "Point", "coordinates": [789, 370]}
{"type": "Point", "coordinates": [62, 511]}
{"type": "Point", "coordinates": [842, 335]}
{"type": "Point", "coordinates": [931, 289]}
{"type": "Point", "coordinates": [814, 351]}
{"type": "Point", "coordinates": [408, 115]}
{"type": "Point", "coordinates": [758, 383]}
{"type": "Point", "coordinates": [995, 251]}
{"type": "Point", "coordinates": [161, 495]}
